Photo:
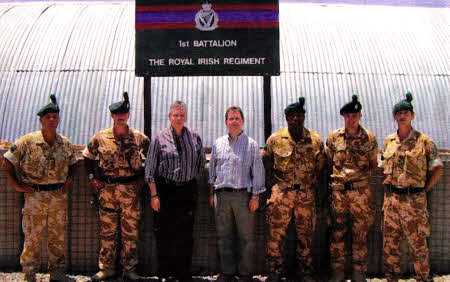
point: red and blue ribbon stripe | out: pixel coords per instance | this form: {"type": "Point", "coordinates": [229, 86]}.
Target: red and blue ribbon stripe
{"type": "Point", "coordinates": [183, 16]}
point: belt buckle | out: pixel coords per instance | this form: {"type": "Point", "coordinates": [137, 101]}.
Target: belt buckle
{"type": "Point", "coordinates": [350, 184]}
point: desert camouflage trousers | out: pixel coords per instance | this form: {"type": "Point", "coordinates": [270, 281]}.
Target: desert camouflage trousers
{"type": "Point", "coordinates": [405, 215]}
{"type": "Point", "coordinates": [282, 206]}
{"type": "Point", "coordinates": [124, 200]}
{"type": "Point", "coordinates": [41, 211]}
{"type": "Point", "coordinates": [351, 212]}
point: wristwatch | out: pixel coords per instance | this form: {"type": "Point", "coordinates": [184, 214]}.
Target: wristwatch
{"type": "Point", "coordinates": [90, 176]}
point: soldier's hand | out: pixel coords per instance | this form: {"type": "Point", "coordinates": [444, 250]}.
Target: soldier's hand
{"type": "Point", "coordinates": [154, 202]}
{"type": "Point", "coordinates": [24, 189]}
{"type": "Point", "coordinates": [95, 183]}
{"type": "Point", "coordinates": [253, 204]}
{"type": "Point", "coordinates": [211, 201]}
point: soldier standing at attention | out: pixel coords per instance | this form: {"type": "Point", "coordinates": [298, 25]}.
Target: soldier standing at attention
{"type": "Point", "coordinates": [40, 165]}
{"type": "Point", "coordinates": [352, 155]}
{"type": "Point", "coordinates": [117, 178]}
{"type": "Point", "coordinates": [236, 177]}
{"type": "Point", "coordinates": [174, 161]}
{"type": "Point", "coordinates": [296, 157]}
{"type": "Point", "coordinates": [412, 166]}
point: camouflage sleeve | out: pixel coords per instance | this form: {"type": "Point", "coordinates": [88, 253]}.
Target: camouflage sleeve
{"type": "Point", "coordinates": [91, 150]}
{"type": "Point", "coordinates": [320, 158]}
{"type": "Point", "coordinates": [16, 152]}
{"type": "Point", "coordinates": [73, 156]}
{"type": "Point", "coordinates": [373, 151]}
{"type": "Point", "coordinates": [145, 145]}
{"type": "Point", "coordinates": [329, 149]}
{"type": "Point", "coordinates": [432, 154]}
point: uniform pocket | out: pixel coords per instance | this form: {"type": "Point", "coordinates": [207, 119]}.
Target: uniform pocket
{"type": "Point", "coordinates": [282, 159]}
{"type": "Point", "coordinates": [416, 164]}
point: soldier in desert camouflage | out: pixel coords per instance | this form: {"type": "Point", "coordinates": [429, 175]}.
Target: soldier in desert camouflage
{"type": "Point", "coordinates": [294, 158]}
{"type": "Point", "coordinates": [412, 166]}
{"type": "Point", "coordinates": [39, 164]}
{"type": "Point", "coordinates": [119, 176]}
{"type": "Point", "coordinates": [352, 155]}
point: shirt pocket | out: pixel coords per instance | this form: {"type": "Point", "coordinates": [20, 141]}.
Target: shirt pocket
{"type": "Point", "coordinates": [109, 158]}
{"type": "Point", "coordinates": [388, 158]}
{"type": "Point", "coordinates": [361, 157]}
{"type": "Point", "coordinates": [416, 163]}
{"type": "Point", "coordinates": [34, 164]}
{"type": "Point", "coordinates": [339, 155]}
{"type": "Point", "coordinates": [282, 158]}
{"type": "Point", "coordinates": [132, 154]}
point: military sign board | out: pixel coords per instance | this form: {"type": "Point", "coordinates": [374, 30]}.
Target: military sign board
{"type": "Point", "coordinates": [198, 37]}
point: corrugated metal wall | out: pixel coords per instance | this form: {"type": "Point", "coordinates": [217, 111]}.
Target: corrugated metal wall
{"type": "Point", "coordinates": [85, 53]}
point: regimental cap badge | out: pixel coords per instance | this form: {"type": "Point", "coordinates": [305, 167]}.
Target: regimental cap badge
{"type": "Point", "coordinates": [206, 19]}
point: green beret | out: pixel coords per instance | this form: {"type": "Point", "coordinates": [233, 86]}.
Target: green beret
{"type": "Point", "coordinates": [51, 107]}
{"type": "Point", "coordinates": [296, 107]}
{"type": "Point", "coordinates": [352, 107]}
{"type": "Point", "coordinates": [404, 104]}
{"type": "Point", "coordinates": [121, 107]}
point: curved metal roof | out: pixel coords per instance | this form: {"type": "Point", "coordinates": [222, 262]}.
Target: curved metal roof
{"type": "Point", "coordinates": [84, 52]}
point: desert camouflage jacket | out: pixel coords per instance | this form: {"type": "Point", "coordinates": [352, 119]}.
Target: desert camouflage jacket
{"type": "Point", "coordinates": [349, 156]}
{"type": "Point", "coordinates": [38, 163]}
{"type": "Point", "coordinates": [405, 163]}
{"type": "Point", "coordinates": [295, 163]}
{"type": "Point", "coordinates": [118, 157]}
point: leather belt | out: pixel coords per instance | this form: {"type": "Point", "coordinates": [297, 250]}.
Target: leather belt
{"type": "Point", "coordinates": [295, 187]}
{"type": "Point", "coordinates": [406, 190]}
{"type": "Point", "coordinates": [230, 189]}
{"type": "Point", "coordinates": [348, 186]}
{"type": "Point", "coordinates": [46, 187]}
{"type": "Point", "coordinates": [174, 183]}
{"type": "Point", "coordinates": [120, 180]}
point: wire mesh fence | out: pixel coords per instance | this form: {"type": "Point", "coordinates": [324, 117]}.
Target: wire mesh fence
{"type": "Point", "coordinates": [83, 230]}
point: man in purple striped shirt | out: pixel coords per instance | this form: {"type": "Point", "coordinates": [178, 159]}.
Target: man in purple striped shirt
{"type": "Point", "coordinates": [174, 160]}
{"type": "Point", "coordinates": [236, 177]}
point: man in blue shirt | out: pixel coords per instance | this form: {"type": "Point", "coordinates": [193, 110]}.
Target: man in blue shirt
{"type": "Point", "coordinates": [236, 177]}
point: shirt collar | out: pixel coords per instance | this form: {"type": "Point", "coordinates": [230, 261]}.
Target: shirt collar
{"type": "Point", "coordinates": [109, 133]}
{"type": "Point", "coordinates": [41, 140]}
{"type": "Point", "coordinates": [237, 137]}
{"type": "Point", "coordinates": [411, 136]}
{"type": "Point", "coordinates": [285, 134]}
{"type": "Point", "coordinates": [172, 130]}
{"type": "Point", "coordinates": [359, 134]}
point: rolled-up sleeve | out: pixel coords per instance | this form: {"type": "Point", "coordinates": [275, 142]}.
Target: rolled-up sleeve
{"type": "Point", "coordinates": [91, 150]}
{"type": "Point", "coordinates": [258, 172]}
{"type": "Point", "coordinates": [151, 162]}
{"type": "Point", "coordinates": [432, 155]}
{"type": "Point", "coordinates": [15, 153]}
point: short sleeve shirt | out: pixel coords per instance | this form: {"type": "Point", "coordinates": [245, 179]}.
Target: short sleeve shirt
{"type": "Point", "coordinates": [349, 156]}
{"type": "Point", "coordinates": [406, 163]}
{"type": "Point", "coordinates": [37, 162]}
{"type": "Point", "coordinates": [121, 156]}
{"type": "Point", "coordinates": [296, 162]}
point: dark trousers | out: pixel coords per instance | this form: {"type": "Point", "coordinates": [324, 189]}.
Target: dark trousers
{"type": "Point", "coordinates": [174, 227]}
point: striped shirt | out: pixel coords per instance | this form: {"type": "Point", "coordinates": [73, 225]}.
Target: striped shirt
{"type": "Point", "coordinates": [237, 163]}
{"type": "Point", "coordinates": [175, 158]}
